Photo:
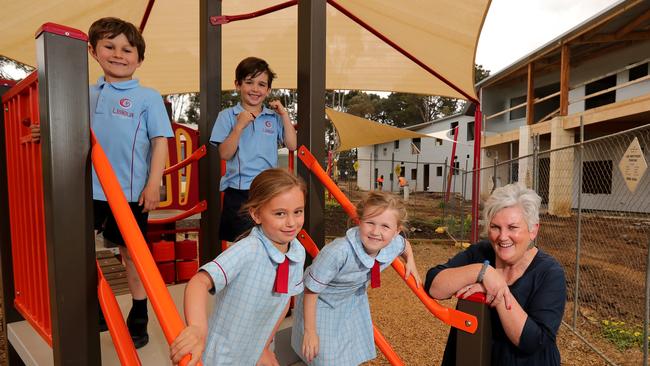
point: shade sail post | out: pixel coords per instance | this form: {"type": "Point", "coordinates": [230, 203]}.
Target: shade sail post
{"type": "Point", "coordinates": [311, 104]}
{"type": "Point", "coordinates": [210, 104]}
{"type": "Point", "coordinates": [62, 63]}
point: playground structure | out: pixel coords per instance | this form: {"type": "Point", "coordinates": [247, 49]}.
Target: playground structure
{"type": "Point", "coordinates": [66, 208]}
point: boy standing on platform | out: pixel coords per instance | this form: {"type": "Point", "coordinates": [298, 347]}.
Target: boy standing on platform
{"type": "Point", "coordinates": [132, 126]}
{"type": "Point", "coordinates": [248, 135]}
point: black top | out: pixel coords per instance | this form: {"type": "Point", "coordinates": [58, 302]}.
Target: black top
{"type": "Point", "coordinates": [541, 292]}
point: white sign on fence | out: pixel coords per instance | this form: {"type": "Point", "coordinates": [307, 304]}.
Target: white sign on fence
{"type": "Point", "coordinates": [633, 165]}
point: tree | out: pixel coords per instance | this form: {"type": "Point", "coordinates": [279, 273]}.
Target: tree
{"type": "Point", "coordinates": [6, 64]}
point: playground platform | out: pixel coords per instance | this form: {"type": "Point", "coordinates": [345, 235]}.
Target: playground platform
{"type": "Point", "coordinates": [34, 351]}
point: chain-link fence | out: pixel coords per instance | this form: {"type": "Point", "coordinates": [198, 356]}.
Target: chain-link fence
{"type": "Point", "coordinates": [595, 220]}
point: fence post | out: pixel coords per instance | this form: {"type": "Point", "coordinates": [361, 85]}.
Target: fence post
{"type": "Point", "coordinates": [536, 163]}
{"type": "Point", "coordinates": [576, 292]}
{"type": "Point", "coordinates": [444, 194]}
{"type": "Point", "coordinates": [646, 320]}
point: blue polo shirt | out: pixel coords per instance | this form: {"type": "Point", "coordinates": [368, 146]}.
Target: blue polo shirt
{"type": "Point", "coordinates": [125, 117]}
{"type": "Point", "coordinates": [258, 145]}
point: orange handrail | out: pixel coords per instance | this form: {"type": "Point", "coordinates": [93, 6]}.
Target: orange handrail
{"type": "Point", "coordinates": [452, 317]}
{"type": "Point", "coordinates": [196, 155]}
{"type": "Point", "coordinates": [161, 301]}
{"type": "Point", "coordinates": [199, 207]}
{"type": "Point", "coordinates": [117, 327]}
{"type": "Point", "coordinates": [381, 342]}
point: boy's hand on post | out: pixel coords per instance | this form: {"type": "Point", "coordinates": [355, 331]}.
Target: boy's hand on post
{"type": "Point", "coordinates": [150, 198]}
{"type": "Point", "coordinates": [191, 340]}
{"type": "Point", "coordinates": [35, 131]}
{"type": "Point", "coordinates": [244, 118]}
{"type": "Point", "coordinates": [277, 106]}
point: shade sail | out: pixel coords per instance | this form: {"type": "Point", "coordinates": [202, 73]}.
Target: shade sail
{"type": "Point", "coordinates": [355, 131]}
{"type": "Point", "coordinates": [442, 34]}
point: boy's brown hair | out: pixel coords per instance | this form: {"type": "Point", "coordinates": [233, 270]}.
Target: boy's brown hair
{"type": "Point", "coordinates": [253, 66]}
{"type": "Point", "coordinates": [113, 27]}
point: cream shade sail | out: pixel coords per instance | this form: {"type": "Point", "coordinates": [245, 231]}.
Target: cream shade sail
{"type": "Point", "coordinates": [442, 34]}
{"type": "Point", "coordinates": [355, 131]}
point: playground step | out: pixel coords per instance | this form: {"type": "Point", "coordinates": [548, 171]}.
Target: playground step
{"type": "Point", "coordinates": [113, 270]}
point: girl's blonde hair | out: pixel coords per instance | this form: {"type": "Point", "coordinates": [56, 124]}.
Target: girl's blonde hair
{"type": "Point", "coordinates": [376, 202]}
{"type": "Point", "coordinates": [269, 184]}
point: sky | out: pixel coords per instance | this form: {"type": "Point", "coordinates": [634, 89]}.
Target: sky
{"type": "Point", "coordinates": [515, 28]}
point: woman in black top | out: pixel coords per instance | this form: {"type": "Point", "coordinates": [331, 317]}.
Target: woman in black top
{"type": "Point", "coordinates": [524, 286]}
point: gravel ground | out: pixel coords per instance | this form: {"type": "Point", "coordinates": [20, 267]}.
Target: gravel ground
{"type": "Point", "coordinates": [418, 337]}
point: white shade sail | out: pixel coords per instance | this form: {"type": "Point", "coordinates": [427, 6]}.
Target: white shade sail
{"type": "Point", "coordinates": [442, 34]}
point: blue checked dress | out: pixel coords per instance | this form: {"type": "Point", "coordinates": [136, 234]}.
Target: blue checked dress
{"type": "Point", "coordinates": [340, 275]}
{"type": "Point", "coordinates": [246, 308]}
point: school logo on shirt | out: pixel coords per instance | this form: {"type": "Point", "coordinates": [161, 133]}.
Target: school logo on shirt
{"type": "Point", "coordinates": [122, 110]}
{"type": "Point", "coordinates": [268, 128]}
{"type": "Point", "coordinates": [126, 103]}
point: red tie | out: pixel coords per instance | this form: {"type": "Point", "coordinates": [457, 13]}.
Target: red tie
{"type": "Point", "coordinates": [375, 275]}
{"type": "Point", "coordinates": [282, 278]}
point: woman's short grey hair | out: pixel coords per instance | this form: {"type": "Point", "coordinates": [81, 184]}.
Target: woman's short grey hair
{"type": "Point", "coordinates": [515, 194]}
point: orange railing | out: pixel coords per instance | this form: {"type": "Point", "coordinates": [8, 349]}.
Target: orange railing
{"type": "Point", "coordinates": [119, 333]}
{"type": "Point", "coordinates": [25, 192]}
{"type": "Point", "coordinates": [161, 301]}
{"type": "Point", "coordinates": [452, 317]}
{"type": "Point", "coordinates": [380, 340]}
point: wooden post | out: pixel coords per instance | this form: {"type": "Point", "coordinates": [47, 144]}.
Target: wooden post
{"type": "Point", "coordinates": [564, 80]}
{"type": "Point", "coordinates": [530, 95]}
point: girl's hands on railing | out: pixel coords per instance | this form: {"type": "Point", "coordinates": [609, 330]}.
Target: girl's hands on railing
{"type": "Point", "coordinates": [191, 340]}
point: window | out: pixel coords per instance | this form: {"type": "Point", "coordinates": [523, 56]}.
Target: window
{"type": "Point", "coordinates": [438, 142]}
{"type": "Point", "coordinates": [519, 112]}
{"type": "Point", "coordinates": [452, 126]}
{"type": "Point", "coordinates": [439, 171]}
{"type": "Point", "coordinates": [637, 72]}
{"type": "Point", "coordinates": [414, 174]}
{"type": "Point", "coordinates": [417, 143]}
{"type": "Point", "coordinates": [456, 167]}
{"type": "Point", "coordinates": [396, 145]}
{"type": "Point", "coordinates": [598, 85]}
{"type": "Point", "coordinates": [597, 177]}
{"type": "Point", "coordinates": [470, 131]}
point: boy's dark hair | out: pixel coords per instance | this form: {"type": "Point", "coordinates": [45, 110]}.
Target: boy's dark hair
{"type": "Point", "coordinates": [113, 27]}
{"type": "Point", "coordinates": [253, 66]}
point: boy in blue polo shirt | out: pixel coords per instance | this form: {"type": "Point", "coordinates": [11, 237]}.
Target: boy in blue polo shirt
{"type": "Point", "coordinates": [248, 135]}
{"type": "Point", "coordinates": [131, 124]}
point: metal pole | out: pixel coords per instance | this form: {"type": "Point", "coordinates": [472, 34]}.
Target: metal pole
{"type": "Point", "coordinates": [392, 172]}
{"type": "Point", "coordinates": [444, 192]}
{"type": "Point", "coordinates": [494, 174]}
{"type": "Point", "coordinates": [311, 104]}
{"type": "Point", "coordinates": [210, 105]}
{"type": "Point", "coordinates": [510, 163]}
{"type": "Point", "coordinates": [535, 162]}
{"type": "Point", "coordinates": [646, 320]}
{"type": "Point", "coordinates": [576, 292]}
{"type": "Point", "coordinates": [462, 202]}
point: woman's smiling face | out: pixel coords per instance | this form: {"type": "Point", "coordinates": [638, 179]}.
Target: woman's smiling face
{"type": "Point", "coordinates": [509, 234]}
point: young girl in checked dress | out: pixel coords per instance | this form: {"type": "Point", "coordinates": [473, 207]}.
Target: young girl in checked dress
{"type": "Point", "coordinates": [253, 281]}
{"type": "Point", "coordinates": [332, 318]}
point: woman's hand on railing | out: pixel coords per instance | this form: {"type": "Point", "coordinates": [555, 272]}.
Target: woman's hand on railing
{"type": "Point", "coordinates": [191, 340]}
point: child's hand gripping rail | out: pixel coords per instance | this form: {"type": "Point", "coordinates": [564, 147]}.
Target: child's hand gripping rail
{"type": "Point", "coordinates": [452, 317]}
{"type": "Point", "coordinates": [380, 340]}
{"type": "Point", "coordinates": [163, 305]}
